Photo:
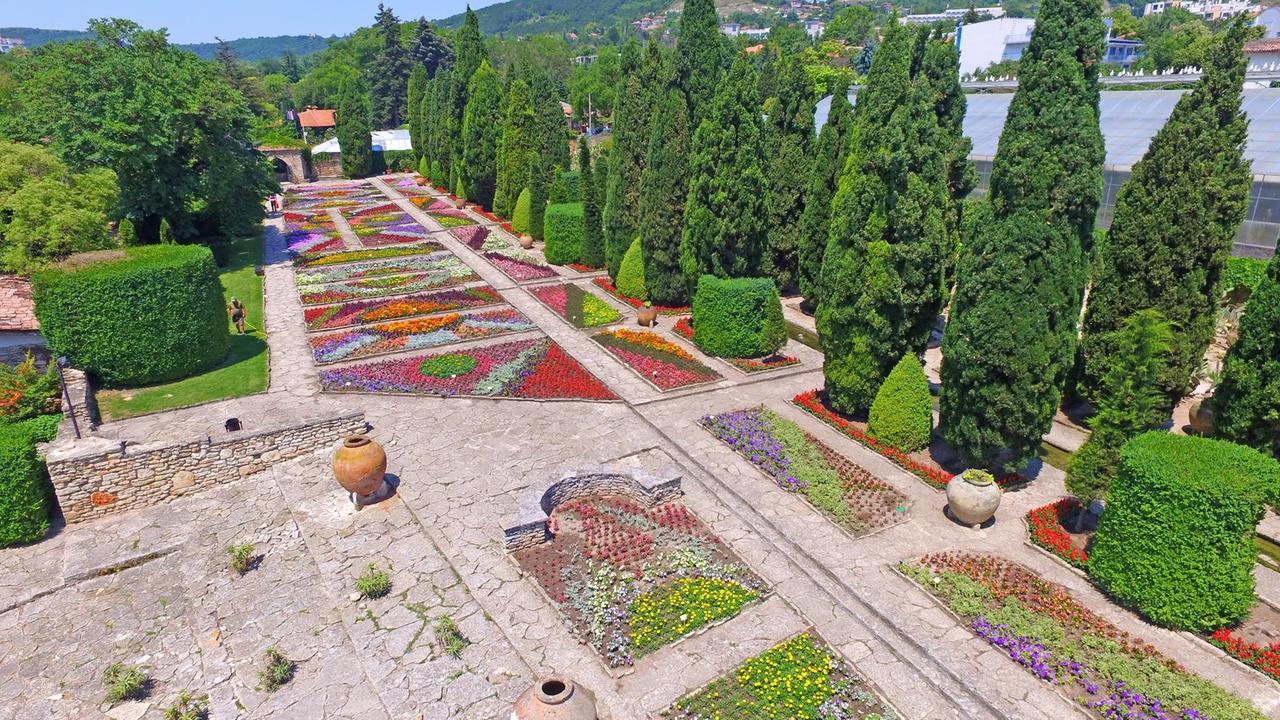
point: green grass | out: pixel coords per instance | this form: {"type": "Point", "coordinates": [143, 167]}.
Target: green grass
{"type": "Point", "coordinates": [243, 372]}
{"type": "Point", "coordinates": [802, 335]}
{"type": "Point", "coordinates": [1055, 456]}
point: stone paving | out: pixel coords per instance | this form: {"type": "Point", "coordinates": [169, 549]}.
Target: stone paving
{"type": "Point", "coordinates": [152, 587]}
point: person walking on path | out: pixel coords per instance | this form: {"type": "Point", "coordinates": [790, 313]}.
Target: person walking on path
{"type": "Point", "coordinates": [236, 310]}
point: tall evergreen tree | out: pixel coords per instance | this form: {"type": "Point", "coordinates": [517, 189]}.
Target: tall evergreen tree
{"type": "Point", "coordinates": [1012, 334]}
{"type": "Point", "coordinates": [882, 269]}
{"type": "Point", "coordinates": [519, 144]}
{"type": "Point", "coordinates": [630, 143]}
{"type": "Point", "coordinates": [1248, 401]}
{"type": "Point", "coordinates": [787, 139]}
{"type": "Point", "coordinates": [724, 214]}
{"type": "Point", "coordinates": [469, 50]}
{"type": "Point", "coordinates": [354, 130]}
{"type": "Point", "coordinates": [481, 125]}
{"type": "Point", "coordinates": [290, 67]}
{"type": "Point", "coordinates": [941, 65]}
{"type": "Point", "coordinates": [416, 97]}
{"type": "Point", "coordinates": [469, 54]}
{"type": "Point", "coordinates": [824, 175]}
{"type": "Point", "coordinates": [663, 187]}
{"type": "Point", "coordinates": [551, 120]}
{"type": "Point", "coordinates": [1174, 222]}
{"type": "Point", "coordinates": [539, 187]}
{"type": "Point", "coordinates": [593, 237]}
{"type": "Point", "coordinates": [429, 49]}
{"type": "Point", "coordinates": [389, 73]}
{"type": "Point", "coordinates": [699, 56]}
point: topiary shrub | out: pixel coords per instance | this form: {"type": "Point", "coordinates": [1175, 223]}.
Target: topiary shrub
{"type": "Point", "coordinates": [562, 230]}
{"type": "Point", "coordinates": [25, 496]}
{"type": "Point", "coordinates": [142, 315]}
{"type": "Point", "coordinates": [738, 318]}
{"type": "Point", "coordinates": [631, 273]}
{"type": "Point", "coordinates": [902, 413]}
{"type": "Point", "coordinates": [1176, 539]}
{"type": "Point", "coordinates": [520, 215]}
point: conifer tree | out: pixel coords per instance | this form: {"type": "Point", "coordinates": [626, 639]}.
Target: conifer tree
{"type": "Point", "coordinates": [429, 49]}
{"type": "Point", "coordinates": [631, 130]}
{"type": "Point", "coordinates": [663, 188]}
{"type": "Point", "coordinates": [699, 57]}
{"type": "Point", "coordinates": [1011, 339]}
{"type": "Point", "coordinates": [551, 121]}
{"type": "Point", "coordinates": [480, 131]}
{"type": "Point", "coordinates": [787, 141]}
{"type": "Point", "coordinates": [941, 65]}
{"type": "Point", "coordinates": [1248, 401]}
{"type": "Point", "coordinates": [519, 144]}
{"type": "Point", "coordinates": [539, 177]}
{"type": "Point", "coordinates": [724, 213]}
{"type": "Point", "coordinates": [824, 175]}
{"type": "Point", "coordinates": [1174, 222]}
{"type": "Point", "coordinates": [417, 96]}
{"type": "Point", "coordinates": [469, 54]}
{"type": "Point", "coordinates": [389, 73]}
{"type": "Point", "coordinates": [592, 239]}
{"type": "Point", "coordinates": [353, 130]}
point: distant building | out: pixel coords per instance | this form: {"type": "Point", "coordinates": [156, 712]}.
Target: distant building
{"type": "Point", "coordinates": [1263, 53]}
{"type": "Point", "coordinates": [7, 44]}
{"type": "Point", "coordinates": [953, 14]}
{"type": "Point", "coordinates": [730, 29]}
{"type": "Point", "coordinates": [755, 33]}
{"type": "Point", "coordinates": [313, 118]}
{"type": "Point", "coordinates": [1269, 21]}
{"type": "Point", "coordinates": [650, 22]}
{"type": "Point", "coordinates": [1207, 9]}
{"type": "Point", "coordinates": [19, 329]}
{"type": "Point", "coordinates": [986, 43]}
{"type": "Point", "coordinates": [814, 28]}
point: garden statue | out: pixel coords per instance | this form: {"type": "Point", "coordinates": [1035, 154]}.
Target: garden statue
{"type": "Point", "coordinates": [972, 497]}
{"type": "Point", "coordinates": [360, 466]}
{"type": "Point", "coordinates": [555, 698]}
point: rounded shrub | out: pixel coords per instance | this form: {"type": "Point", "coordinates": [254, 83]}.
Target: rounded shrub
{"type": "Point", "coordinates": [631, 273]}
{"type": "Point", "coordinates": [520, 215]}
{"type": "Point", "coordinates": [24, 487]}
{"type": "Point", "coordinates": [738, 318]}
{"type": "Point", "coordinates": [902, 413]}
{"type": "Point", "coordinates": [143, 315]}
{"type": "Point", "coordinates": [562, 230]}
{"type": "Point", "coordinates": [1176, 539]}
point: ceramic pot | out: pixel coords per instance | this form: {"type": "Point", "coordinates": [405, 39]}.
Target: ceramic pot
{"type": "Point", "coordinates": [526, 242]}
{"type": "Point", "coordinates": [647, 316]}
{"type": "Point", "coordinates": [555, 698]}
{"type": "Point", "coordinates": [360, 465]}
{"type": "Point", "coordinates": [972, 497]}
{"type": "Point", "coordinates": [420, 180]}
{"type": "Point", "coordinates": [1201, 418]}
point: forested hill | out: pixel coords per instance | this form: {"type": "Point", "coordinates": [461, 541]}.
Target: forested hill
{"type": "Point", "coordinates": [247, 49]}
{"type": "Point", "coordinates": [526, 17]}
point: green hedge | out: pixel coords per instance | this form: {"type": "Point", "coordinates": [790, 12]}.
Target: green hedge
{"type": "Point", "coordinates": [631, 273]}
{"type": "Point", "coordinates": [1176, 539]}
{"type": "Point", "coordinates": [25, 495]}
{"type": "Point", "coordinates": [902, 413]}
{"type": "Point", "coordinates": [739, 318]}
{"type": "Point", "coordinates": [520, 215]}
{"type": "Point", "coordinates": [566, 188]}
{"type": "Point", "coordinates": [144, 315]}
{"type": "Point", "coordinates": [562, 231]}
{"type": "Point", "coordinates": [1242, 273]}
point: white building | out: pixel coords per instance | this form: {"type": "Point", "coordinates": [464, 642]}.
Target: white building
{"type": "Point", "coordinates": [814, 28]}
{"type": "Point", "coordinates": [1263, 54]}
{"type": "Point", "coordinates": [1207, 9]}
{"type": "Point", "coordinates": [953, 14]}
{"type": "Point", "coordinates": [7, 44]}
{"type": "Point", "coordinates": [1269, 21]}
{"type": "Point", "coordinates": [985, 43]}
{"type": "Point", "coordinates": [731, 29]}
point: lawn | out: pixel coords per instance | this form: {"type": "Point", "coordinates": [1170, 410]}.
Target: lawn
{"type": "Point", "coordinates": [243, 372]}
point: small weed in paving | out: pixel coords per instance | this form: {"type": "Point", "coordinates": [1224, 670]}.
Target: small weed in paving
{"type": "Point", "coordinates": [278, 672]}
{"type": "Point", "coordinates": [125, 682]}
{"type": "Point", "coordinates": [188, 707]}
{"type": "Point", "coordinates": [374, 583]}
{"type": "Point", "coordinates": [449, 636]}
{"type": "Point", "coordinates": [241, 558]}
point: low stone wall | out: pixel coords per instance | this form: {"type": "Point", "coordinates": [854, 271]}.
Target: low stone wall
{"type": "Point", "coordinates": [327, 166]}
{"type": "Point", "coordinates": [98, 477]}
{"type": "Point", "coordinates": [83, 406]}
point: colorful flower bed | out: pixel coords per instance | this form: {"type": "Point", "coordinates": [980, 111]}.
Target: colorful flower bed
{"type": "Point", "coordinates": [755, 365]}
{"type": "Point", "coordinates": [1048, 531]}
{"type": "Point", "coordinates": [450, 218]}
{"type": "Point", "coordinates": [578, 306]}
{"type": "Point", "coordinates": [416, 334]}
{"type": "Point", "coordinates": [663, 363]}
{"type": "Point", "coordinates": [518, 266]}
{"type": "Point", "coordinates": [684, 328]}
{"type": "Point", "coordinates": [476, 237]}
{"type": "Point", "coordinates": [309, 260]}
{"type": "Point", "coordinates": [533, 369]}
{"type": "Point", "coordinates": [339, 196]}
{"type": "Point", "coordinates": [630, 579]}
{"type": "Point", "coordinates": [576, 267]}
{"type": "Point", "coordinates": [310, 232]}
{"type": "Point", "coordinates": [355, 271]}
{"type": "Point", "coordinates": [798, 462]}
{"type": "Point", "coordinates": [1040, 626]}
{"type": "Point", "coordinates": [447, 272]}
{"type": "Point", "coordinates": [428, 203]}
{"type": "Point", "coordinates": [606, 284]}
{"type": "Point", "coordinates": [799, 678]}
{"type": "Point", "coordinates": [1264, 658]}
{"type": "Point", "coordinates": [332, 317]}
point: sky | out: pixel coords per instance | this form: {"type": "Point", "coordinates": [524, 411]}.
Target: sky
{"type": "Point", "coordinates": [191, 21]}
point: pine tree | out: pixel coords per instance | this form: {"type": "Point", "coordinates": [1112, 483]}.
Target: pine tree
{"type": "Point", "coordinates": [353, 130]}
{"type": "Point", "coordinates": [388, 74]}
{"type": "Point", "coordinates": [631, 130]}
{"type": "Point", "coordinates": [663, 188]}
{"type": "Point", "coordinates": [824, 175]}
{"type": "Point", "coordinates": [1012, 333]}
{"type": "Point", "coordinates": [480, 131]}
{"type": "Point", "coordinates": [417, 96]}
{"type": "Point", "coordinates": [429, 49]}
{"type": "Point", "coordinates": [699, 57]}
{"type": "Point", "coordinates": [519, 143]}
{"type": "Point", "coordinates": [1248, 401]}
{"type": "Point", "coordinates": [593, 238]}
{"type": "Point", "coordinates": [787, 140]}
{"type": "Point", "coordinates": [882, 269]}
{"type": "Point", "coordinates": [469, 50]}
{"type": "Point", "coordinates": [1174, 222]}
{"type": "Point", "coordinates": [724, 214]}
{"type": "Point", "coordinates": [290, 66]}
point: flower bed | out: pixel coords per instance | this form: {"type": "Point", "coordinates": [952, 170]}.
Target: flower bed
{"type": "Point", "coordinates": [355, 271]}
{"type": "Point", "coordinates": [309, 260]}
{"type": "Point", "coordinates": [451, 218]}
{"type": "Point", "coordinates": [476, 237]}
{"type": "Point", "coordinates": [798, 462]}
{"type": "Point", "coordinates": [1047, 531]}
{"type": "Point", "coordinates": [487, 215]}
{"type": "Point", "coordinates": [416, 334]}
{"type": "Point", "coordinates": [1264, 658]}
{"type": "Point", "coordinates": [770, 362]}
{"type": "Point", "coordinates": [606, 284]}
{"type": "Point", "coordinates": [1040, 626]}
{"type": "Point", "coordinates": [429, 203]}
{"type": "Point", "coordinates": [332, 317]}
{"type": "Point", "coordinates": [310, 232]}
{"type": "Point", "coordinates": [684, 328]}
{"type": "Point", "coordinates": [663, 363]}
{"type": "Point", "coordinates": [338, 196]}
{"type": "Point", "coordinates": [519, 266]}
{"type": "Point", "coordinates": [630, 579]}
{"type": "Point", "coordinates": [578, 306]}
{"type": "Point", "coordinates": [574, 266]}
{"type": "Point", "coordinates": [799, 678]}
{"type": "Point", "coordinates": [447, 272]}
{"type": "Point", "coordinates": [533, 369]}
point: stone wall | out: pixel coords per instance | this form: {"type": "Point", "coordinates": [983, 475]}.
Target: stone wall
{"type": "Point", "coordinates": [327, 165]}
{"type": "Point", "coordinates": [99, 477]}
{"type": "Point", "coordinates": [83, 406]}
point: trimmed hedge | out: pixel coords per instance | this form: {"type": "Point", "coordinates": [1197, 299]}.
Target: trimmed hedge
{"type": "Point", "coordinates": [144, 315]}
{"type": "Point", "coordinates": [25, 495]}
{"type": "Point", "coordinates": [902, 413]}
{"type": "Point", "coordinates": [738, 318]}
{"type": "Point", "coordinates": [562, 231]}
{"type": "Point", "coordinates": [520, 215]}
{"type": "Point", "coordinates": [631, 273]}
{"type": "Point", "coordinates": [1176, 539]}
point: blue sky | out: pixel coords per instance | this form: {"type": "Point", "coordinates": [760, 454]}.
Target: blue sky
{"type": "Point", "coordinates": [191, 21]}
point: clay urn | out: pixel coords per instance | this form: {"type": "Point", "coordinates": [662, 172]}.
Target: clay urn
{"type": "Point", "coordinates": [1200, 417]}
{"type": "Point", "coordinates": [555, 698]}
{"type": "Point", "coordinates": [972, 497]}
{"type": "Point", "coordinates": [647, 315]}
{"type": "Point", "coordinates": [360, 465]}
{"type": "Point", "coordinates": [526, 241]}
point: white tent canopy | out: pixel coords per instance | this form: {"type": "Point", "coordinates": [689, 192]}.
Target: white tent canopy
{"type": "Point", "coordinates": [382, 140]}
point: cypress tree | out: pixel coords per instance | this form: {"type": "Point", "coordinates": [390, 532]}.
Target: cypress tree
{"type": "Point", "coordinates": [824, 175]}
{"type": "Point", "coordinates": [663, 188]}
{"type": "Point", "coordinates": [1174, 222]}
{"type": "Point", "coordinates": [353, 130]}
{"type": "Point", "coordinates": [882, 272]}
{"type": "Point", "coordinates": [551, 121]}
{"type": "Point", "coordinates": [480, 130]}
{"type": "Point", "coordinates": [699, 56]}
{"type": "Point", "coordinates": [388, 73]}
{"type": "Point", "coordinates": [469, 54]}
{"type": "Point", "coordinates": [429, 49]}
{"type": "Point", "coordinates": [787, 141]}
{"type": "Point", "coordinates": [1248, 401]}
{"type": "Point", "coordinates": [630, 142]}
{"type": "Point", "coordinates": [592, 239]}
{"type": "Point", "coordinates": [519, 144]}
{"type": "Point", "coordinates": [941, 65]}
{"type": "Point", "coordinates": [1012, 333]}
{"type": "Point", "coordinates": [724, 214]}
{"type": "Point", "coordinates": [538, 178]}
{"type": "Point", "coordinates": [417, 96]}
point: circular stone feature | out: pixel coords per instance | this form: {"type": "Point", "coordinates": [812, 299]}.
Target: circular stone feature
{"type": "Point", "coordinates": [443, 366]}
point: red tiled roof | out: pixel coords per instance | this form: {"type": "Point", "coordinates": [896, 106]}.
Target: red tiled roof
{"type": "Point", "coordinates": [1261, 46]}
{"type": "Point", "coordinates": [17, 311]}
{"type": "Point", "coordinates": [314, 118]}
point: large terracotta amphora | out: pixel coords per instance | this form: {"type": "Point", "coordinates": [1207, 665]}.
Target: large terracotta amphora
{"type": "Point", "coordinates": [555, 698]}
{"type": "Point", "coordinates": [360, 465]}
